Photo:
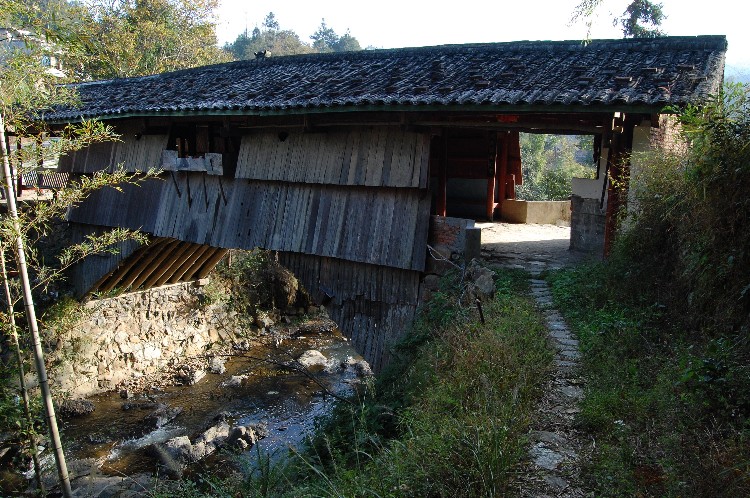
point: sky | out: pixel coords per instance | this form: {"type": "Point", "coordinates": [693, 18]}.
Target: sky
{"type": "Point", "coordinates": [416, 23]}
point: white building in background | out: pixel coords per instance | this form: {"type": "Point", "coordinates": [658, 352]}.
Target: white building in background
{"type": "Point", "coordinates": [19, 40]}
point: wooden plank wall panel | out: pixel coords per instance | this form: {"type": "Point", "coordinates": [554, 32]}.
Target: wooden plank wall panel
{"type": "Point", "coordinates": [378, 156]}
{"type": "Point", "coordinates": [373, 306]}
{"type": "Point", "coordinates": [132, 153]}
{"type": "Point", "coordinates": [139, 153]}
{"type": "Point", "coordinates": [347, 279]}
{"type": "Point", "coordinates": [369, 225]}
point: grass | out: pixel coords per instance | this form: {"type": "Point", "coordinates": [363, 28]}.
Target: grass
{"type": "Point", "coordinates": [664, 406]}
{"type": "Point", "coordinates": [449, 418]}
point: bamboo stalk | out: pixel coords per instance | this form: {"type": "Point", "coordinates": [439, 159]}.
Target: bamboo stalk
{"type": "Point", "coordinates": [21, 373]}
{"type": "Point", "coordinates": [28, 301]}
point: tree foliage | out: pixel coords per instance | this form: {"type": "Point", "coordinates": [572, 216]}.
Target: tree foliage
{"type": "Point", "coordinates": [549, 164]}
{"type": "Point", "coordinates": [124, 38]}
{"type": "Point", "coordinates": [26, 88]}
{"type": "Point", "coordinates": [277, 41]}
{"type": "Point", "coordinates": [641, 18]}
{"type": "Point", "coordinates": [286, 42]}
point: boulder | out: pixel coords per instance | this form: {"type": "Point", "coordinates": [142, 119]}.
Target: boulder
{"type": "Point", "coordinates": [140, 404]}
{"type": "Point", "coordinates": [312, 358]}
{"type": "Point", "coordinates": [481, 281]}
{"type": "Point", "coordinates": [216, 365]}
{"type": "Point", "coordinates": [163, 415]}
{"type": "Point", "coordinates": [189, 375]}
{"type": "Point", "coordinates": [242, 437]}
{"type": "Point", "coordinates": [76, 408]}
{"type": "Point", "coordinates": [263, 320]}
{"type": "Point", "coordinates": [234, 381]}
{"type": "Point", "coordinates": [362, 368]}
{"type": "Point", "coordinates": [180, 451]}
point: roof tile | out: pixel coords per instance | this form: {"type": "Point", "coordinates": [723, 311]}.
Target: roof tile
{"type": "Point", "coordinates": [524, 75]}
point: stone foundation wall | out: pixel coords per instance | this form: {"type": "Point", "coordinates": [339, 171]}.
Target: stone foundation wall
{"type": "Point", "coordinates": [121, 339]}
{"type": "Point", "coordinates": [587, 225]}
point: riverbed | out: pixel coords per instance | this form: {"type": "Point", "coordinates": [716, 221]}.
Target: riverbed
{"type": "Point", "coordinates": [262, 387]}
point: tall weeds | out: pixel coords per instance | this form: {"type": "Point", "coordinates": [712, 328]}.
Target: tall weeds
{"type": "Point", "coordinates": [448, 419]}
{"type": "Point", "coordinates": [664, 323]}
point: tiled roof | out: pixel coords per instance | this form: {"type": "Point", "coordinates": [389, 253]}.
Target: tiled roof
{"type": "Point", "coordinates": [516, 76]}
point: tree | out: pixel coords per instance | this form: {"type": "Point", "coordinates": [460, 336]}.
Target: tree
{"type": "Point", "coordinates": [286, 42]}
{"type": "Point", "coordinates": [270, 22]}
{"type": "Point", "coordinates": [123, 38]}
{"type": "Point", "coordinates": [641, 18]}
{"type": "Point", "coordinates": [346, 43]}
{"type": "Point", "coordinates": [26, 88]}
{"type": "Point", "coordinates": [549, 164]}
{"type": "Point", "coordinates": [324, 38]}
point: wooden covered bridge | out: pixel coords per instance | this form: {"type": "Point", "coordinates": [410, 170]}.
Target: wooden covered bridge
{"type": "Point", "coordinates": [340, 161]}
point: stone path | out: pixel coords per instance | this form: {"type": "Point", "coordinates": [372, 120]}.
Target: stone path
{"type": "Point", "coordinates": [556, 450]}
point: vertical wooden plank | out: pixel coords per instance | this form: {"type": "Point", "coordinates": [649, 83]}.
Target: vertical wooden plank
{"type": "Point", "coordinates": [491, 173]}
{"type": "Point", "coordinates": [424, 165]}
{"type": "Point", "coordinates": [243, 158]}
{"type": "Point", "coordinates": [442, 193]}
{"type": "Point", "coordinates": [378, 153]}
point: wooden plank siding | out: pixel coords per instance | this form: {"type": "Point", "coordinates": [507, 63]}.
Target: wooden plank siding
{"type": "Point", "coordinates": [382, 226]}
{"type": "Point", "coordinates": [376, 157]}
{"type": "Point", "coordinates": [373, 305]}
{"type": "Point", "coordinates": [134, 153]}
{"type": "Point", "coordinates": [348, 212]}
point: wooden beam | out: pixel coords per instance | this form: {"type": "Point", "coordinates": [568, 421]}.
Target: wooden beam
{"type": "Point", "coordinates": [167, 266]}
{"type": "Point", "coordinates": [502, 169]}
{"type": "Point", "coordinates": [491, 174]}
{"type": "Point", "coordinates": [442, 194]}
{"type": "Point", "coordinates": [154, 266]}
{"type": "Point", "coordinates": [176, 262]}
{"type": "Point", "coordinates": [199, 262]}
{"type": "Point", "coordinates": [188, 262]}
{"type": "Point", "coordinates": [619, 172]}
{"type": "Point", "coordinates": [146, 266]}
{"type": "Point", "coordinates": [212, 262]}
{"type": "Point", "coordinates": [113, 281]}
{"type": "Point", "coordinates": [514, 158]}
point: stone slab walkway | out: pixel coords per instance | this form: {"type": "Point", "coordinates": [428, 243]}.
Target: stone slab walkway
{"type": "Point", "coordinates": [556, 451]}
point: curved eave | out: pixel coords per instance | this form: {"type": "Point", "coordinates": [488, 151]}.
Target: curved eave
{"type": "Point", "coordinates": [462, 108]}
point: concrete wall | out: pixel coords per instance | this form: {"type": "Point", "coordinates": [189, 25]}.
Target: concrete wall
{"type": "Point", "coordinates": [126, 337]}
{"type": "Point", "coordinates": [542, 212]}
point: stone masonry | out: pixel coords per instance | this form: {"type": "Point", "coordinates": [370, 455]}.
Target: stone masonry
{"type": "Point", "coordinates": [124, 338]}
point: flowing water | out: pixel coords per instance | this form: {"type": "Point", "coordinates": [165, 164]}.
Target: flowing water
{"type": "Point", "coordinates": [119, 433]}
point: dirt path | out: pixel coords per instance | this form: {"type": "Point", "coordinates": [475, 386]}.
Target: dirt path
{"type": "Point", "coordinates": [556, 450]}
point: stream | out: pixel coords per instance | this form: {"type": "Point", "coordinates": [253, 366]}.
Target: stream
{"type": "Point", "coordinates": [256, 389]}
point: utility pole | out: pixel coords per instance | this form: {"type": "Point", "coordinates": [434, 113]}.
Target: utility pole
{"type": "Point", "coordinates": [28, 302]}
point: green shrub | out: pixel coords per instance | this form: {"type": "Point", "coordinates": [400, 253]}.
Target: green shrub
{"type": "Point", "coordinates": [663, 324]}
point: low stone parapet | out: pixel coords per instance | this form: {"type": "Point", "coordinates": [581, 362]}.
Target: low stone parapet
{"type": "Point", "coordinates": [540, 212]}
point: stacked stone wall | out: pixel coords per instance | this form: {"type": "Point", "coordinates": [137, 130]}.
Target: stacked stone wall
{"type": "Point", "coordinates": [122, 339]}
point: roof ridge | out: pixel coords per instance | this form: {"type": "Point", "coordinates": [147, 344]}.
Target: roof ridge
{"type": "Point", "coordinates": [651, 72]}
{"type": "Point", "coordinates": [713, 42]}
